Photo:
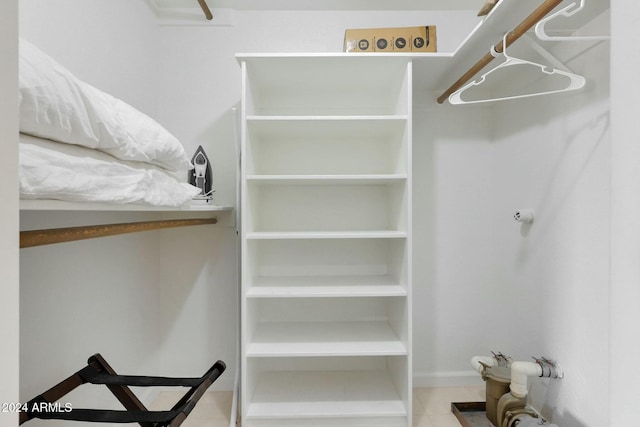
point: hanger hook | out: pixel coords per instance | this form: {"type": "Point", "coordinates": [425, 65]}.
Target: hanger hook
{"type": "Point", "coordinates": [504, 47]}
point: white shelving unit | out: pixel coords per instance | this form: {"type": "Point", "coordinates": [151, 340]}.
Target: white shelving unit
{"type": "Point", "coordinates": [326, 230]}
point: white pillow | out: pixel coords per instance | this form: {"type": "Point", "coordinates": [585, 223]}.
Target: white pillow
{"type": "Point", "coordinates": [54, 104]}
{"type": "Point", "coordinates": [51, 170]}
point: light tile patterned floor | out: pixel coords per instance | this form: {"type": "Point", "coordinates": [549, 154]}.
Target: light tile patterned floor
{"type": "Point", "coordinates": [431, 406]}
{"type": "Point", "coordinates": [212, 410]}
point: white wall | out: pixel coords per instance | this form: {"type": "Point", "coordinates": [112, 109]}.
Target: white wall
{"type": "Point", "coordinates": [553, 155]}
{"type": "Point", "coordinates": [484, 282]}
{"type": "Point", "coordinates": [109, 44]}
{"type": "Point", "coordinates": [454, 297]}
{"type": "Point", "coordinates": [625, 211]}
{"type": "Point", "coordinates": [80, 298]}
{"type": "Point", "coordinates": [86, 297]}
{"type": "Point", "coordinates": [9, 296]}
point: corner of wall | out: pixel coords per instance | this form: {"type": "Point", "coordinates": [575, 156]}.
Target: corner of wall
{"type": "Point", "coordinates": [9, 252]}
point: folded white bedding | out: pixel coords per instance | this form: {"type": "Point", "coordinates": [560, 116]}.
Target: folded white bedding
{"type": "Point", "coordinates": [52, 170]}
{"type": "Point", "coordinates": [56, 105]}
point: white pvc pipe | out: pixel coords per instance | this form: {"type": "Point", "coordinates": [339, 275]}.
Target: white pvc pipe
{"type": "Point", "coordinates": [487, 360]}
{"type": "Point", "coordinates": [519, 373]}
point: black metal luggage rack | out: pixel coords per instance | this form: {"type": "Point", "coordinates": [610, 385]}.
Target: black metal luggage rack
{"type": "Point", "coordinates": [98, 371]}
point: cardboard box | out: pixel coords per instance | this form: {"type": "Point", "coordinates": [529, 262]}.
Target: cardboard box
{"type": "Point", "coordinates": [403, 39]}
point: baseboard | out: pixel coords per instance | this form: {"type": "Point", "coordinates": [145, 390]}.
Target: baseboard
{"type": "Point", "coordinates": [446, 379]}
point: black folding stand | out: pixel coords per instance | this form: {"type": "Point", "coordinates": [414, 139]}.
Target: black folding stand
{"type": "Point", "coordinates": [98, 371]}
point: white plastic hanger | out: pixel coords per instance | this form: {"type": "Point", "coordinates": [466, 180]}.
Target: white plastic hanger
{"type": "Point", "coordinates": [575, 81]}
{"type": "Point", "coordinates": [567, 12]}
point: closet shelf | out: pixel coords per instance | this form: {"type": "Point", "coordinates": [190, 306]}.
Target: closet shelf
{"type": "Point", "coordinates": [278, 59]}
{"type": "Point", "coordinates": [369, 125]}
{"type": "Point", "coordinates": [434, 71]}
{"type": "Point", "coordinates": [314, 394]}
{"type": "Point", "coordinates": [325, 286]}
{"type": "Point", "coordinates": [131, 223]}
{"type": "Point", "coordinates": [284, 235]}
{"type": "Point", "coordinates": [58, 205]}
{"type": "Point", "coordinates": [326, 118]}
{"type": "Point", "coordinates": [309, 339]}
{"type": "Point", "coordinates": [370, 179]}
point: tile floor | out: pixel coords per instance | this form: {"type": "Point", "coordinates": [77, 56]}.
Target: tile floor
{"type": "Point", "coordinates": [212, 410]}
{"type": "Point", "coordinates": [431, 406]}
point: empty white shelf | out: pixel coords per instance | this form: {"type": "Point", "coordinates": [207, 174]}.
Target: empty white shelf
{"type": "Point", "coordinates": [325, 118]}
{"type": "Point", "coordinates": [371, 179]}
{"type": "Point", "coordinates": [380, 234]}
{"type": "Point", "coordinates": [325, 395]}
{"type": "Point", "coordinates": [325, 286]}
{"type": "Point", "coordinates": [308, 339]}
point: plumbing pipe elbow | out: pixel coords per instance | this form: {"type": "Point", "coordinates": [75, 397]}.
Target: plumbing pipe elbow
{"type": "Point", "coordinates": [478, 361]}
{"type": "Point", "coordinates": [519, 373]}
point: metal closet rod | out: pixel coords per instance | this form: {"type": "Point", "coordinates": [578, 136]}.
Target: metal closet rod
{"type": "Point", "coordinates": [512, 36]}
{"type": "Point", "coordinates": [206, 10]}
{"type": "Point", "coordinates": [60, 235]}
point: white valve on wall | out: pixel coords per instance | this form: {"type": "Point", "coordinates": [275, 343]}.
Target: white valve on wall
{"type": "Point", "coordinates": [524, 215]}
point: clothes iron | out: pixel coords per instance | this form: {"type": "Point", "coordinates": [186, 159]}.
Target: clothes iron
{"type": "Point", "coordinates": [201, 175]}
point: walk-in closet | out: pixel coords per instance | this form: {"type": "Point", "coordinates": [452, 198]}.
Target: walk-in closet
{"type": "Point", "coordinates": [375, 220]}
